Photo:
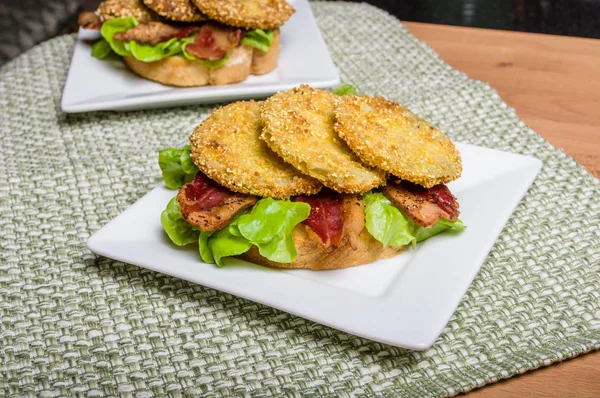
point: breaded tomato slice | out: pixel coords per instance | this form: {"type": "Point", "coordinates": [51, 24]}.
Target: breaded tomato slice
{"type": "Point", "coordinates": [109, 9]}
{"type": "Point", "coordinates": [386, 135]}
{"type": "Point", "coordinates": [226, 148]}
{"type": "Point", "coordinates": [249, 14]}
{"type": "Point", "coordinates": [298, 125]}
{"type": "Point", "coordinates": [176, 10]}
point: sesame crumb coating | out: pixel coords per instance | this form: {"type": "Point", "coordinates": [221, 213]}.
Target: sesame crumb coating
{"type": "Point", "coordinates": [298, 125]}
{"type": "Point", "coordinates": [109, 9]}
{"type": "Point", "coordinates": [176, 10]}
{"type": "Point", "coordinates": [226, 148]}
{"type": "Point", "coordinates": [249, 14]}
{"type": "Point", "coordinates": [386, 135]}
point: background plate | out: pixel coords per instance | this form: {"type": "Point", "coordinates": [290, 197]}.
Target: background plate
{"type": "Point", "coordinates": [94, 85]}
{"type": "Point", "coordinates": [403, 301]}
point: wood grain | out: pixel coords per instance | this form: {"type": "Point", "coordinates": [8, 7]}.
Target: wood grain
{"type": "Point", "coordinates": [553, 82]}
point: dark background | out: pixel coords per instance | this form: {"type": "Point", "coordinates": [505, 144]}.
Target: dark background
{"type": "Point", "coordinates": [559, 17]}
{"type": "Point", "coordinates": [24, 23]}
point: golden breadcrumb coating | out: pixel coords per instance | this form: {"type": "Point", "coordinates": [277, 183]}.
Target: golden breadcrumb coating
{"type": "Point", "coordinates": [176, 10]}
{"type": "Point", "coordinates": [109, 9]}
{"type": "Point", "coordinates": [298, 125]}
{"type": "Point", "coordinates": [386, 135]}
{"type": "Point", "coordinates": [226, 148]}
{"type": "Point", "coordinates": [250, 14]}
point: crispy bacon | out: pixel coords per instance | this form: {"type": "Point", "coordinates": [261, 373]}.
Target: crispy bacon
{"type": "Point", "coordinates": [424, 206]}
{"type": "Point", "coordinates": [185, 32]}
{"type": "Point", "coordinates": [213, 41]}
{"type": "Point", "coordinates": [325, 218]}
{"type": "Point", "coordinates": [210, 206]}
{"type": "Point", "coordinates": [154, 33]}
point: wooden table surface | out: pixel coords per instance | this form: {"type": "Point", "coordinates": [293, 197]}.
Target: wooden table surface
{"type": "Point", "coordinates": [554, 84]}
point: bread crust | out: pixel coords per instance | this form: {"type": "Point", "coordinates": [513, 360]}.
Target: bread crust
{"type": "Point", "coordinates": [172, 71]}
{"type": "Point", "coordinates": [237, 69]}
{"type": "Point", "coordinates": [360, 249]}
{"type": "Point", "coordinates": [181, 72]}
{"type": "Point", "coordinates": [265, 62]}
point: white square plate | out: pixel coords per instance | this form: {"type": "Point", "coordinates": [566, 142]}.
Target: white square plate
{"type": "Point", "coordinates": [93, 84]}
{"type": "Point", "coordinates": [403, 301]}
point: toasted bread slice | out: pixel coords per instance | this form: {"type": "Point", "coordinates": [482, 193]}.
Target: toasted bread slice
{"type": "Point", "coordinates": [264, 62]}
{"type": "Point", "coordinates": [179, 71]}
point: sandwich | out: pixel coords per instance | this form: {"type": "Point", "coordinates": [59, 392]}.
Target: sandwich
{"type": "Point", "coordinates": [310, 179]}
{"type": "Point", "coordinates": [190, 42]}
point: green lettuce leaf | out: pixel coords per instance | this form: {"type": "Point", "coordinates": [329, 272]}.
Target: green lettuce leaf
{"type": "Point", "coordinates": [442, 225]}
{"type": "Point", "coordinates": [154, 52]}
{"type": "Point", "coordinates": [268, 225]}
{"type": "Point", "coordinates": [203, 248]}
{"type": "Point", "coordinates": [258, 38]}
{"type": "Point", "coordinates": [101, 49]}
{"type": "Point", "coordinates": [214, 246]}
{"type": "Point", "coordinates": [117, 25]}
{"type": "Point", "coordinates": [179, 230]}
{"type": "Point", "coordinates": [344, 89]}
{"type": "Point", "coordinates": [176, 166]}
{"type": "Point", "coordinates": [386, 223]}
{"type": "Point", "coordinates": [144, 52]}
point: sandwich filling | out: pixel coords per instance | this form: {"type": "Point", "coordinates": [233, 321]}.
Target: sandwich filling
{"type": "Point", "coordinates": [209, 43]}
{"type": "Point", "coordinates": [227, 223]}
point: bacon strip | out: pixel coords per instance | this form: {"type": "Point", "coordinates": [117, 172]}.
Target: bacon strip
{"type": "Point", "coordinates": [424, 206]}
{"type": "Point", "coordinates": [154, 33]}
{"type": "Point", "coordinates": [208, 205]}
{"type": "Point", "coordinates": [325, 218]}
{"type": "Point", "coordinates": [214, 41]}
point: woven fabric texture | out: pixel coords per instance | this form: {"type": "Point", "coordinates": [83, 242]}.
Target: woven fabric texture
{"type": "Point", "coordinates": [74, 324]}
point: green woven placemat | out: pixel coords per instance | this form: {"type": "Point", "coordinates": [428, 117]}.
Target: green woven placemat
{"type": "Point", "coordinates": [73, 323]}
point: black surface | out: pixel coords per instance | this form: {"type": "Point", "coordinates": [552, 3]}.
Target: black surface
{"type": "Point", "coordinates": [25, 23]}
{"type": "Point", "coordinates": [559, 17]}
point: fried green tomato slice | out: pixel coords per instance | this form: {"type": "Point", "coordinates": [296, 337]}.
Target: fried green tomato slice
{"type": "Point", "coordinates": [249, 14]}
{"type": "Point", "coordinates": [386, 135]}
{"type": "Point", "coordinates": [109, 9]}
{"type": "Point", "coordinates": [226, 148]}
{"type": "Point", "coordinates": [298, 125]}
{"type": "Point", "coordinates": [176, 10]}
